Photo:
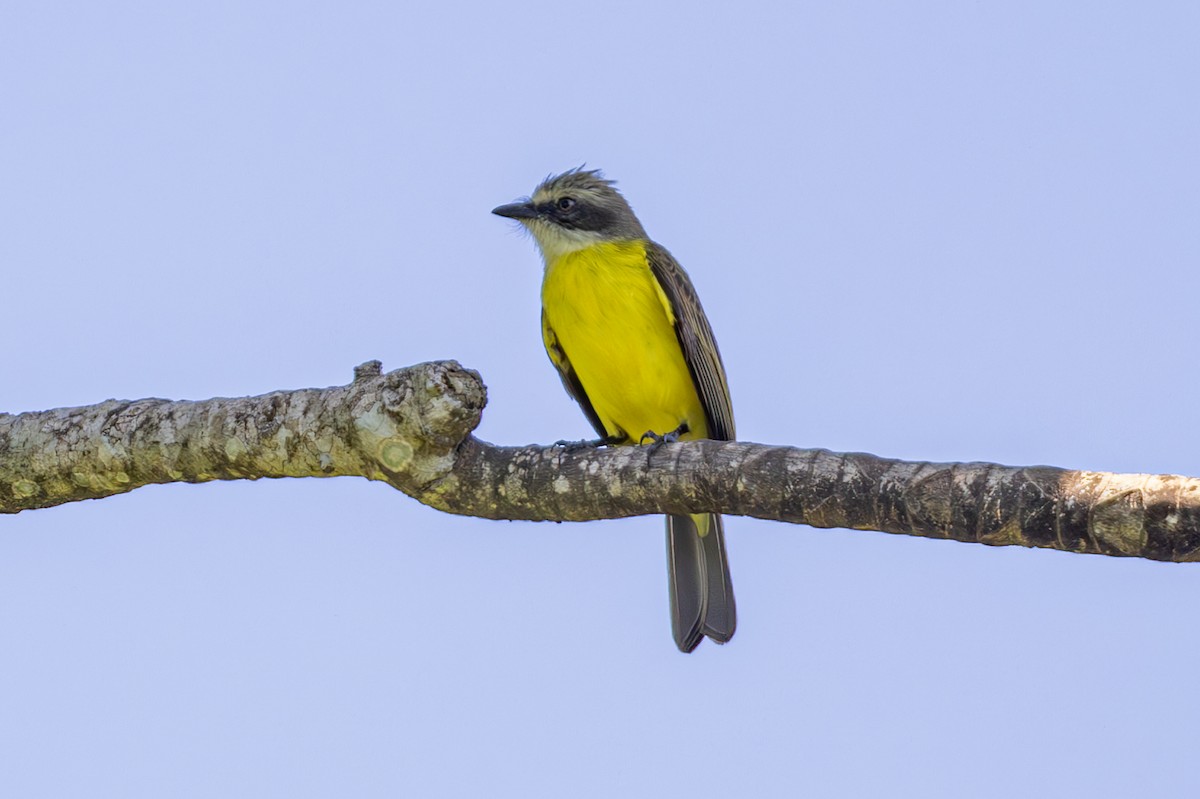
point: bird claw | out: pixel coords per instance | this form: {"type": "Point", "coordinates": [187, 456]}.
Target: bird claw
{"type": "Point", "coordinates": [573, 445]}
{"type": "Point", "coordinates": [586, 443]}
{"type": "Point", "coordinates": [656, 440]}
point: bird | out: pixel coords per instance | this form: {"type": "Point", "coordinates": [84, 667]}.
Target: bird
{"type": "Point", "coordinates": [624, 327]}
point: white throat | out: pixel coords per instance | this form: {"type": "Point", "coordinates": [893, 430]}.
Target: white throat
{"type": "Point", "coordinates": [555, 241]}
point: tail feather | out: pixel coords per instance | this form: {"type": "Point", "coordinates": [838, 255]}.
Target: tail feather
{"type": "Point", "coordinates": [701, 592]}
{"type": "Point", "coordinates": [720, 618]}
{"type": "Point", "coordinates": [688, 584]}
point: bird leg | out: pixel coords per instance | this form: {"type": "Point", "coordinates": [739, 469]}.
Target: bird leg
{"type": "Point", "coordinates": [593, 443]}
{"type": "Point", "coordinates": [657, 440]}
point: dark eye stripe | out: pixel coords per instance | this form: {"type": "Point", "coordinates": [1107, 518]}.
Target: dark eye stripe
{"type": "Point", "coordinates": [580, 216]}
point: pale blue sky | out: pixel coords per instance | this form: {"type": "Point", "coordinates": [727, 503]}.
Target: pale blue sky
{"type": "Point", "coordinates": [946, 231]}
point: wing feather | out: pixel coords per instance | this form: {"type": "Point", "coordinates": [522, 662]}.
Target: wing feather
{"type": "Point", "coordinates": [697, 341]}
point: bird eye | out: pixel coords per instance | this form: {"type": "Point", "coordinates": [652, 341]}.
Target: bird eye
{"type": "Point", "coordinates": [565, 204]}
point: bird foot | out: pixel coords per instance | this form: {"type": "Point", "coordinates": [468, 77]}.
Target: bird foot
{"type": "Point", "coordinates": [656, 440]}
{"type": "Point", "coordinates": [592, 443]}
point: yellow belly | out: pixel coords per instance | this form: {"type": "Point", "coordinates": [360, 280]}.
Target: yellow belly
{"type": "Point", "coordinates": [615, 326]}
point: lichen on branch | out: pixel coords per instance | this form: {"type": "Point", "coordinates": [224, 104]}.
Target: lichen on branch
{"type": "Point", "coordinates": [412, 429]}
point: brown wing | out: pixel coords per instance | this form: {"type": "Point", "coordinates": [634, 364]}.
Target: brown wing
{"type": "Point", "coordinates": [570, 380]}
{"type": "Point", "coordinates": [696, 338]}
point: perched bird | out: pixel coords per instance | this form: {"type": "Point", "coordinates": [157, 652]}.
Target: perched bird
{"type": "Point", "coordinates": [623, 326]}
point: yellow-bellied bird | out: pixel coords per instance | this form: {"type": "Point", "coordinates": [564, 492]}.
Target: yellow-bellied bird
{"type": "Point", "coordinates": [623, 326]}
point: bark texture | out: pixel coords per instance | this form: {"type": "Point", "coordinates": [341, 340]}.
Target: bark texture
{"type": "Point", "coordinates": [412, 429]}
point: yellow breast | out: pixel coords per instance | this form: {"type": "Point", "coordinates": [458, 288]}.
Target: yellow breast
{"type": "Point", "coordinates": [616, 327]}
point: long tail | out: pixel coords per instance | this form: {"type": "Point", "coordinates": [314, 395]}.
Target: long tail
{"type": "Point", "coordinates": [701, 592]}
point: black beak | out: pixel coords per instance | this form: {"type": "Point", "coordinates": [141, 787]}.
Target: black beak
{"type": "Point", "coordinates": [516, 211]}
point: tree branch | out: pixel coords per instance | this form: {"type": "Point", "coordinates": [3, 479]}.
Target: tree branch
{"type": "Point", "coordinates": [411, 428]}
